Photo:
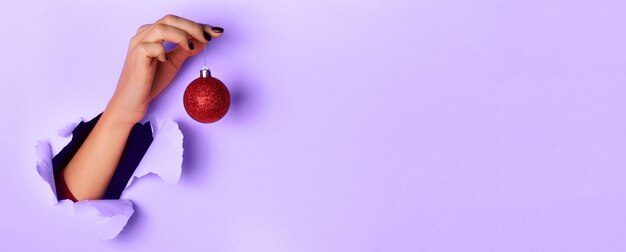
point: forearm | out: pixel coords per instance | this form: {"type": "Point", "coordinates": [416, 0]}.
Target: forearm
{"type": "Point", "coordinates": [89, 172]}
{"type": "Point", "coordinates": [147, 71]}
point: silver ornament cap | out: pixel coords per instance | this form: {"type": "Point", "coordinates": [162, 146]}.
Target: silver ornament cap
{"type": "Point", "coordinates": [205, 72]}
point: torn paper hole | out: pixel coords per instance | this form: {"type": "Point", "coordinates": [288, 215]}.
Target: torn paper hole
{"type": "Point", "coordinates": [107, 218]}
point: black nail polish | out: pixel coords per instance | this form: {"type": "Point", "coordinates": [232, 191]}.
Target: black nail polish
{"type": "Point", "coordinates": [190, 43]}
{"type": "Point", "coordinates": [206, 36]}
{"type": "Point", "coordinates": [217, 29]}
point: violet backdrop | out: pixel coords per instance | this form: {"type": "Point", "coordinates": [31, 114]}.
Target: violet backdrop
{"type": "Point", "coordinates": [408, 125]}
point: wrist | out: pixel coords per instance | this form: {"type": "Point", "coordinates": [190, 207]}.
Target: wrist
{"type": "Point", "coordinates": [113, 119]}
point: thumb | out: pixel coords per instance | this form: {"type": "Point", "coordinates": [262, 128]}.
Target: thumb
{"type": "Point", "coordinates": [179, 55]}
{"type": "Point", "coordinates": [166, 71]}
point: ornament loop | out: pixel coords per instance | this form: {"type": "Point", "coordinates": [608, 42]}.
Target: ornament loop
{"type": "Point", "coordinates": [205, 72]}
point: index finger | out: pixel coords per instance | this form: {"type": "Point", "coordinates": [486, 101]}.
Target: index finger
{"type": "Point", "coordinates": [192, 28]}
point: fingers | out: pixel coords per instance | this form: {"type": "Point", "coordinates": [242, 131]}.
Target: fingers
{"type": "Point", "coordinates": [200, 32]}
{"type": "Point", "coordinates": [148, 50]}
{"type": "Point", "coordinates": [178, 55]}
{"type": "Point", "coordinates": [195, 30]}
{"type": "Point", "coordinates": [142, 28]}
{"type": "Point", "coordinates": [163, 74]}
{"type": "Point", "coordinates": [162, 32]}
{"type": "Point", "coordinates": [188, 35]}
{"type": "Point", "coordinates": [214, 31]}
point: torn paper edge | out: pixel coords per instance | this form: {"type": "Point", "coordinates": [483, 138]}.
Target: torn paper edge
{"type": "Point", "coordinates": [168, 140]}
{"type": "Point", "coordinates": [107, 218]}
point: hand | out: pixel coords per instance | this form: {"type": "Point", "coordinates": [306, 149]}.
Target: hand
{"type": "Point", "coordinates": [149, 69]}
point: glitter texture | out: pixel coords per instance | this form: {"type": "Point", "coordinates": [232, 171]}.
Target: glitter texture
{"type": "Point", "coordinates": [206, 99]}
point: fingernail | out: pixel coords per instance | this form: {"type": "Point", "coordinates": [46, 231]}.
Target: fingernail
{"type": "Point", "coordinates": [217, 29]}
{"type": "Point", "coordinates": [206, 36]}
{"type": "Point", "coordinates": [166, 58]}
{"type": "Point", "coordinates": [190, 43]}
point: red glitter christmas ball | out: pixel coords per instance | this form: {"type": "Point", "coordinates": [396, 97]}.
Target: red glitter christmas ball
{"type": "Point", "coordinates": [206, 99]}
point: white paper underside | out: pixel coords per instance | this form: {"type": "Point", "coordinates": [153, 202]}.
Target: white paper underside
{"type": "Point", "coordinates": [105, 219]}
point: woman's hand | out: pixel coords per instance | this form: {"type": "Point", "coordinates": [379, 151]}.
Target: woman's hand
{"type": "Point", "coordinates": [149, 69]}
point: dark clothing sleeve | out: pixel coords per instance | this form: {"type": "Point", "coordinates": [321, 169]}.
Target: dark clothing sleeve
{"type": "Point", "coordinates": [139, 140]}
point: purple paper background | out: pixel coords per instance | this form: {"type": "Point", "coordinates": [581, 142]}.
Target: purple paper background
{"type": "Point", "coordinates": [412, 125]}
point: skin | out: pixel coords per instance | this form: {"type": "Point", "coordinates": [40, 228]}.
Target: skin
{"type": "Point", "coordinates": [146, 73]}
